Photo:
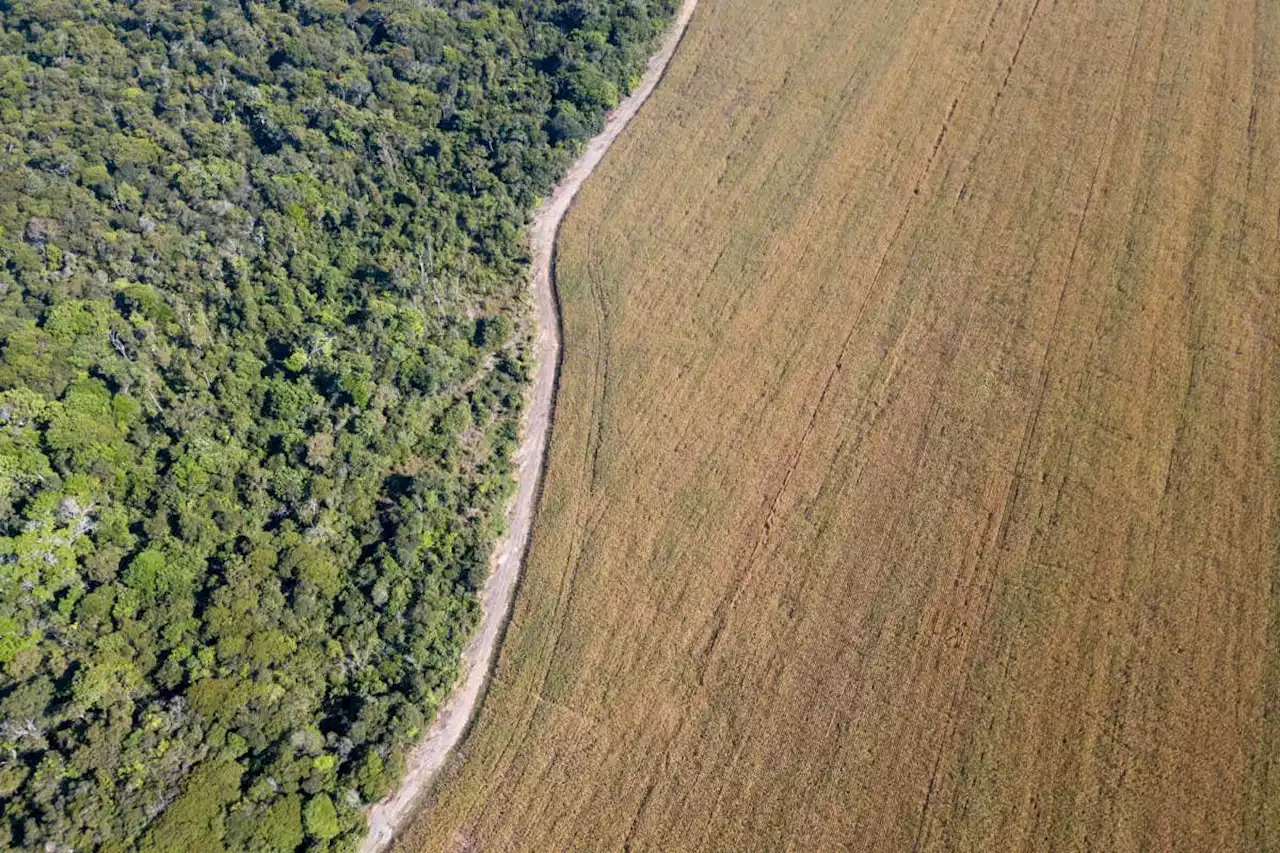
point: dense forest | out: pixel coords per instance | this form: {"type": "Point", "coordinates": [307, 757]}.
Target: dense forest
{"type": "Point", "coordinates": [262, 355]}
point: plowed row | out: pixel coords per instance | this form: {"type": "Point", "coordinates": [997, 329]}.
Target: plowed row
{"type": "Point", "coordinates": [915, 472]}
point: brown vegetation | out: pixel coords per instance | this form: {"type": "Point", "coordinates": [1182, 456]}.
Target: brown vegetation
{"type": "Point", "coordinates": [913, 484]}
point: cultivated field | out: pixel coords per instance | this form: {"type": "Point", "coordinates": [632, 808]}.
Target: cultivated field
{"type": "Point", "coordinates": [915, 477]}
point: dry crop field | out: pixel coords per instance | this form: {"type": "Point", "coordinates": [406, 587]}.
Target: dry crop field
{"type": "Point", "coordinates": [915, 478]}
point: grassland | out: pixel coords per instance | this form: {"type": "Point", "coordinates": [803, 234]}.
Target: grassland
{"type": "Point", "coordinates": [915, 473]}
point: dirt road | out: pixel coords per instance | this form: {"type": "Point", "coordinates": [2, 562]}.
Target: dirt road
{"type": "Point", "coordinates": [386, 817]}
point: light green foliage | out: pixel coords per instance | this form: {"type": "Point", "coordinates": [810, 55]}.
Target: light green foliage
{"type": "Point", "coordinates": [322, 818]}
{"type": "Point", "coordinates": [279, 830]}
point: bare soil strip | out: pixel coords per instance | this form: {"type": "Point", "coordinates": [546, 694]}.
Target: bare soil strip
{"type": "Point", "coordinates": [425, 761]}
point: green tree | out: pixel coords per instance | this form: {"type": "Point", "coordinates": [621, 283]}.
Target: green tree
{"type": "Point", "coordinates": [322, 818]}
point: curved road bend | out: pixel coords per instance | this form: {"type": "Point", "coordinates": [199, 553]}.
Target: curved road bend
{"type": "Point", "coordinates": [424, 761]}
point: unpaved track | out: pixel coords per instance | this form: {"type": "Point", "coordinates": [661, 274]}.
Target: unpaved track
{"type": "Point", "coordinates": [424, 762]}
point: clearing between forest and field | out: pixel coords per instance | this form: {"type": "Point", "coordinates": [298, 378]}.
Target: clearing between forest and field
{"type": "Point", "coordinates": [913, 479]}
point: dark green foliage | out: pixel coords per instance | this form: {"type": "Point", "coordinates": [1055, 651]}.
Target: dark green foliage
{"type": "Point", "coordinates": [259, 386]}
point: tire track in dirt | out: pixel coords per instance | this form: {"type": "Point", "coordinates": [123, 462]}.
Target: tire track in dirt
{"type": "Point", "coordinates": [762, 541]}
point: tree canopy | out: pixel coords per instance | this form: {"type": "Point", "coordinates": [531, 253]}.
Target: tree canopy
{"type": "Point", "coordinates": [263, 343]}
